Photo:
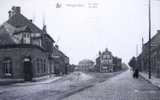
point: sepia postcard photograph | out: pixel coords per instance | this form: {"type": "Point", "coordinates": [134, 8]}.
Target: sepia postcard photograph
{"type": "Point", "coordinates": [79, 49]}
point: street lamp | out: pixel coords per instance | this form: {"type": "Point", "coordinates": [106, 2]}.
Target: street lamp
{"type": "Point", "coordinates": [149, 20]}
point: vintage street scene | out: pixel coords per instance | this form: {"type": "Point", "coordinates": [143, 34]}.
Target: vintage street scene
{"type": "Point", "coordinates": [80, 50]}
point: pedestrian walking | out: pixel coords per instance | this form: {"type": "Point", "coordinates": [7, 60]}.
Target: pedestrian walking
{"type": "Point", "coordinates": [136, 73]}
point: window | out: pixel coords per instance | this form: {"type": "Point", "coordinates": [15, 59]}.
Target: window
{"type": "Point", "coordinates": [28, 35]}
{"type": "Point", "coordinates": [26, 38]}
{"type": "Point", "coordinates": [44, 65]}
{"type": "Point", "coordinates": [41, 65]}
{"type": "Point", "coordinates": [24, 34]}
{"type": "Point", "coordinates": [104, 56]}
{"type": "Point", "coordinates": [108, 56]}
{"type": "Point", "coordinates": [38, 66]}
{"type": "Point", "coordinates": [7, 64]}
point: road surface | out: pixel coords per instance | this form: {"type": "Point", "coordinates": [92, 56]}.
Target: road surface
{"type": "Point", "coordinates": [121, 87]}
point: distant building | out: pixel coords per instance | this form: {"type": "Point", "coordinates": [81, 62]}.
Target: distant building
{"type": "Point", "coordinates": [106, 62]}
{"type": "Point", "coordinates": [71, 68]}
{"type": "Point", "coordinates": [85, 65]}
{"type": "Point", "coordinates": [117, 64]}
{"type": "Point", "coordinates": [28, 52]}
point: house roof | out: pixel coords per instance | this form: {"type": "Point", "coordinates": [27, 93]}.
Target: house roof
{"type": "Point", "coordinates": [155, 40]}
{"type": "Point", "coordinates": [21, 24]}
{"type": "Point", "coordinates": [2, 30]}
{"type": "Point", "coordinates": [22, 29]}
{"type": "Point", "coordinates": [5, 39]}
{"type": "Point", "coordinates": [18, 20]}
{"type": "Point", "coordinates": [59, 53]}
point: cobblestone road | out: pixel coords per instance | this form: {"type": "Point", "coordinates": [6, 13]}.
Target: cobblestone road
{"type": "Point", "coordinates": [121, 87]}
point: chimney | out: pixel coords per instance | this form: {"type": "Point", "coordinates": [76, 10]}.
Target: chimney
{"type": "Point", "coordinates": [45, 28]}
{"type": "Point", "coordinates": [31, 20]}
{"type": "Point", "coordinates": [16, 10]}
{"type": "Point", "coordinates": [10, 14]}
{"type": "Point", "coordinates": [99, 53]}
{"type": "Point", "coordinates": [57, 47]}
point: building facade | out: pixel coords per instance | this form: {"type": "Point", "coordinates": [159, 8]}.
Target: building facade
{"type": "Point", "coordinates": [106, 62]}
{"type": "Point", "coordinates": [86, 65]}
{"type": "Point", "coordinates": [117, 64]}
{"type": "Point", "coordinates": [26, 51]}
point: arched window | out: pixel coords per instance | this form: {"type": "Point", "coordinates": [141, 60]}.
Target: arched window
{"type": "Point", "coordinates": [7, 65]}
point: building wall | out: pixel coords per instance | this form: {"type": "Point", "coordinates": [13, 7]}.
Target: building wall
{"type": "Point", "coordinates": [86, 65]}
{"type": "Point", "coordinates": [17, 56]}
{"type": "Point", "coordinates": [143, 63]}
{"type": "Point", "coordinates": [106, 62]}
{"type": "Point", "coordinates": [117, 64]}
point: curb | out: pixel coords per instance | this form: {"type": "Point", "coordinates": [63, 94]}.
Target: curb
{"type": "Point", "coordinates": [36, 82]}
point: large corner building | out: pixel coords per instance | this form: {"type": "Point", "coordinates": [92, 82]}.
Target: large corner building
{"type": "Point", "coordinates": [26, 51]}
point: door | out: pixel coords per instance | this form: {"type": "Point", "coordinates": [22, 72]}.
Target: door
{"type": "Point", "coordinates": [28, 74]}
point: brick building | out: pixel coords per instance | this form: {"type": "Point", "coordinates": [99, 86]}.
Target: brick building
{"type": "Point", "coordinates": [106, 62]}
{"type": "Point", "coordinates": [26, 51]}
{"type": "Point", "coordinates": [142, 61]}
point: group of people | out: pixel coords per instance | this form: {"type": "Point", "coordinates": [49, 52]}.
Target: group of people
{"type": "Point", "coordinates": [136, 73]}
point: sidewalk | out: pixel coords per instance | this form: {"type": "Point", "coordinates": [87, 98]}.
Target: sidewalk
{"type": "Point", "coordinates": [20, 82]}
{"type": "Point", "coordinates": [46, 81]}
{"type": "Point", "coordinates": [4, 88]}
{"type": "Point", "coordinates": [155, 81]}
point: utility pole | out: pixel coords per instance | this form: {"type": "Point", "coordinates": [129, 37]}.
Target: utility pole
{"type": "Point", "coordinates": [149, 20]}
{"type": "Point", "coordinates": [137, 50]}
{"type": "Point", "coordinates": [142, 55]}
{"type": "Point", "coordinates": [137, 66]}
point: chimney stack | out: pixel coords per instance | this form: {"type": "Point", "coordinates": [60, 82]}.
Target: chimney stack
{"type": "Point", "coordinates": [44, 28]}
{"type": "Point", "coordinates": [10, 14]}
{"type": "Point", "coordinates": [57, 47]}
{"type": "Point", "coordinates": [14, 10]}
{"type": "Point", "coordinates": [31, 20]}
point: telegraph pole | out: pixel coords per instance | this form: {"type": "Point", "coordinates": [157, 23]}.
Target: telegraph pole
{"type": "Point", "coordinates": [149, 20]}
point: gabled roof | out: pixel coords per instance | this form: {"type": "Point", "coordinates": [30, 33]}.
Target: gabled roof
{"type": "Point", "coordinates": [2, 30]}
{"type": "Point", "coordinates": [59, 53]}
{"type": "Point", "coordinates": [22, 29]}
{"type": "Point", "coordinates": [18, 20]}
{"type": "Point", "coordinates": [155, 40]}
{"type": "Point", "coordinates": [6, 39]}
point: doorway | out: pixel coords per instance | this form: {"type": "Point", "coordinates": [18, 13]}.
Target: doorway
{"type": "Point", "coordinates": [28, 73]}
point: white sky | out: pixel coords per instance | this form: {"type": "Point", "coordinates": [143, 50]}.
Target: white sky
{"type": "Point", "coordinates": [81, 31]}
